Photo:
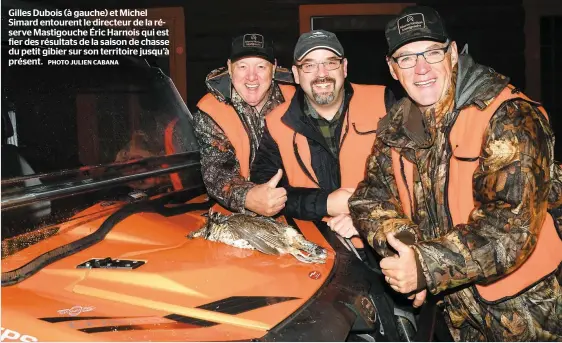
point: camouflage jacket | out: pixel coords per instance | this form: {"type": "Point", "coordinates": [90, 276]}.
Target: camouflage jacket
{"type": "Point", "coordinates": [513, 192]}
{"type": "Point", "coordinates": [219, 165]}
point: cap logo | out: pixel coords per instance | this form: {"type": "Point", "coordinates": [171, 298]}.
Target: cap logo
{"type": "Point", "coordinates": [410, 22]}
{"type": "Point", "coordinates": [318, 34]}
{"type": "Point", "coordinates": [252, 41]}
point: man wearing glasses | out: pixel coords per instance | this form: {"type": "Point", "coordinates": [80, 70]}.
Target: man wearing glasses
{"type": "Point", "coordinates": [462, 194]}
{"type": "Point", "coordinates": [322, 138]}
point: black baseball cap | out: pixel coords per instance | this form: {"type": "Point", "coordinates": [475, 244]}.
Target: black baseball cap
{"type": "Point", "coordinates": [317, 39]}
{"type": "Point", "coordinates": [415, 23]}
{"type": "Point", "coordinates": [252, 44]}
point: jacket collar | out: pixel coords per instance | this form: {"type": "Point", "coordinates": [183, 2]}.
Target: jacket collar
{"type": "Point", "coordinates": [477, 84]}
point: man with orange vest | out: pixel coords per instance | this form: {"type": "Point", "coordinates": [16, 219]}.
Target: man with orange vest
{"type": "Point", "coordinates": [229, 124]}
{"type": "Point", "coordinates": [462, 194]}
{"type": "Point", "coordinates": [321, 138]}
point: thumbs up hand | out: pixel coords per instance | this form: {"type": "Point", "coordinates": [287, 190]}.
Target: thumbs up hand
{"type": "Point", "coordinates": [400, 270]}
{"type": "Point", "coordinates": [272, 183]}
{"type": "Point", "coordinates": [267, 199]}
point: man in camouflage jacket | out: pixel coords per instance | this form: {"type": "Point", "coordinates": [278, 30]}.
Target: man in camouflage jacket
{"type": "Point", "coordinates": [250, 85]}
{"type": "Point", "coordinates": [514, 186]}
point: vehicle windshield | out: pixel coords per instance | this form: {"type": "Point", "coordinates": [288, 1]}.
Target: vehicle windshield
{"type": "Point", "coordinates": [74, 137]}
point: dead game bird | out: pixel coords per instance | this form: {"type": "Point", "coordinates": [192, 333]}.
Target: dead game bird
{"type": "Point", "coordinates": [259, 233]}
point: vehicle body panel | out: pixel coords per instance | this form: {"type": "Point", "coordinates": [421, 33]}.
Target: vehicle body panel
{"type": "Point", "coordinates": [180, 277]}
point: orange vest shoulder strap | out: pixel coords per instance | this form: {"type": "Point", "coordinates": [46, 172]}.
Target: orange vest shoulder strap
{"type": "Point", "coordinates": [366, 108]}
{"type": "Point", "coordinates": [288, 91]}
{"type": "Point", "coordinates": [276, 114]}
{"type": "Point", "coordinates": [367, 105]}
{"type": "Point", "coordinates": [284, 136]}
{"type": "Point", "coordinates": [209, 102]}
{"type": "Point", "coordinates": [228, 120]}
{"type": "Point", "coordinates": [472, 122]}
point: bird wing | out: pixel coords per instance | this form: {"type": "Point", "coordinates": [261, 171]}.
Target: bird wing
{"type": "Point", "coordinates": [256, 239]}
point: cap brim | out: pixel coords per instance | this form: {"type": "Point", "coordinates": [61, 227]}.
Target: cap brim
{"type": "Point", "coordinates": [236, 57]}
{"type": "Point", "coordinates": [434, 38]}
{"type": "Point", "coordinates": [306, 52]}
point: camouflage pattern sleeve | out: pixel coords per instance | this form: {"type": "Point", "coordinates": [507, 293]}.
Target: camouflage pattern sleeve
{"type": "Point", "coordinates": [511, 187]}
{"type": "Point", "coordinates": [219, 165]}
{"type": "Point", "coordinates": [375, 206]}
{"type": "Point", "coordinates": [555, 196]}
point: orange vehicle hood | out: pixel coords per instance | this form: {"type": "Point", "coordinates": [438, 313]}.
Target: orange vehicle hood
{"type": "Point", "coordinates": [187, 290]}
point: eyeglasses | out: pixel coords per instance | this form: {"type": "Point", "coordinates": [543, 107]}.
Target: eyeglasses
{"type": "Point", "coordinates": [431, 56]}
{"type": "Point", "coordinates": [313, 67]}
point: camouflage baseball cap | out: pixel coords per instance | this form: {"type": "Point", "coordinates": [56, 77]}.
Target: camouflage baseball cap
{"type": "Point", "coordinates": [413, 24]}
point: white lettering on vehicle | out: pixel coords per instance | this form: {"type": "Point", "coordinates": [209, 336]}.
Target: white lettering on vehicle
{"type": "Point", "coordinates": [11, 336]}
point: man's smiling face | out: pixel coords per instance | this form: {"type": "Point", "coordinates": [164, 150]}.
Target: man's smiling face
{"type": "Point", "coordinates": [322, 86]}
{"type": "Point", "coordinates": [251, 77]}
{"type": "Point", "coordinates": [425, 83]}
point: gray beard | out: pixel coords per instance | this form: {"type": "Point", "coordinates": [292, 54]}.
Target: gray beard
{"type": "Point", "coordinates": [323, 99]}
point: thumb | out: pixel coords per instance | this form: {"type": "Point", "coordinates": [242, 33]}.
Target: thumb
{"type": "Point", "coordinates": [275, 179]}
{"type": "Point", "coordinates": [397, 244]}
{"type": "Point", "coordinates": [419, 298]}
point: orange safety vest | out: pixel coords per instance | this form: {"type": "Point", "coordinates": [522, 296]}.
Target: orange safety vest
{"type": "Point", "coordinates": [366, 108]}
{"type": "Point", "coordinates": [228, 120]}
{"type": "Point", "coordinates": [467, 134]}
{"type": "Point", "coordinates": [226, 117]}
